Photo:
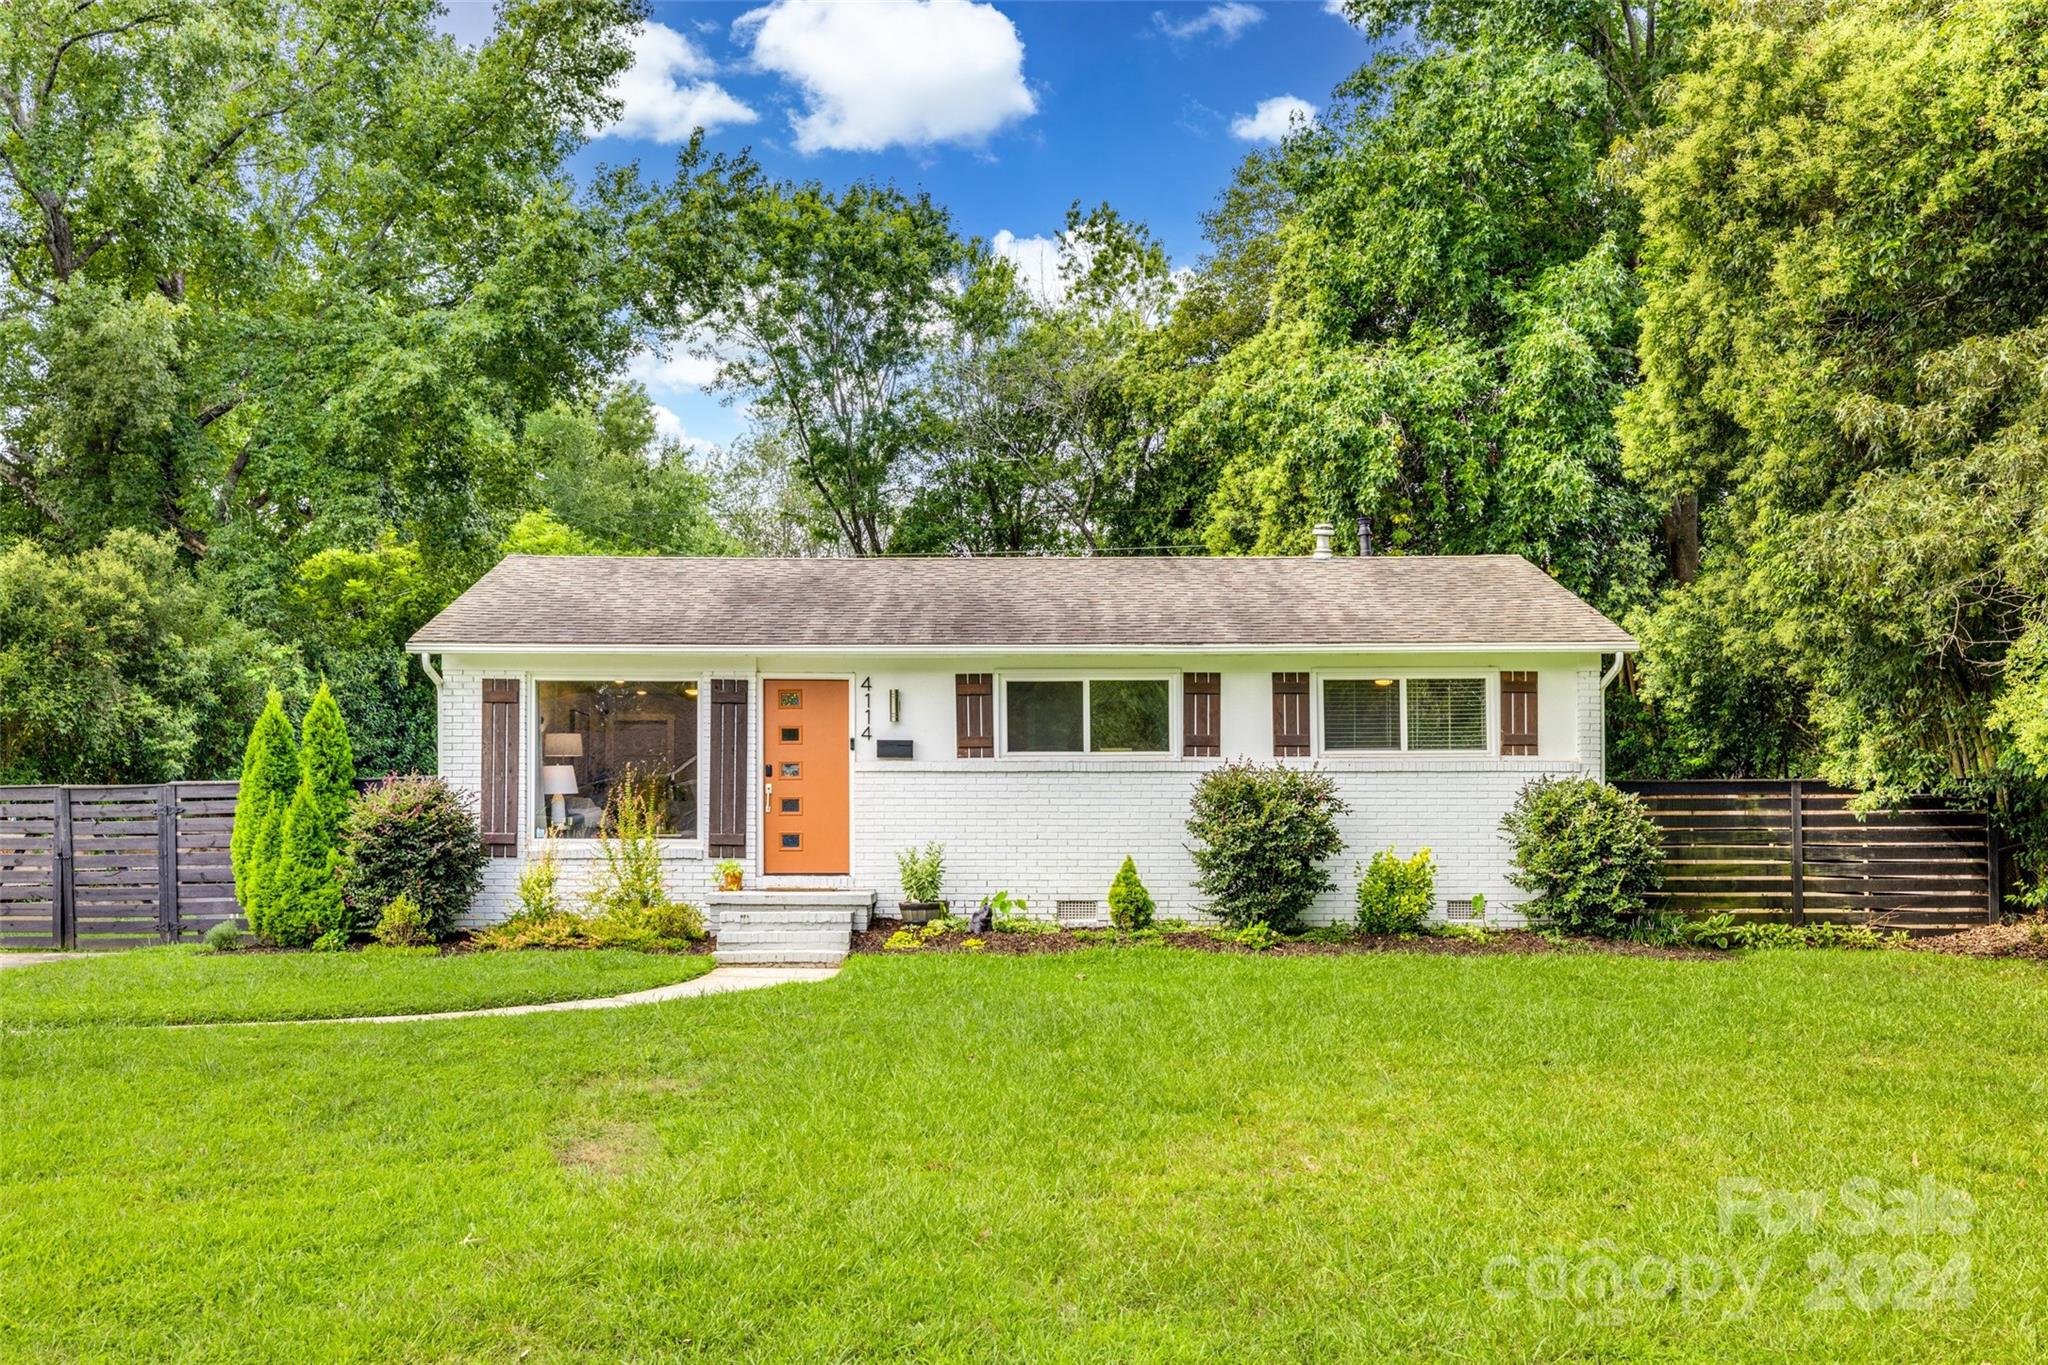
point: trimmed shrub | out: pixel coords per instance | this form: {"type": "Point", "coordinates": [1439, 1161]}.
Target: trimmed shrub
{"type": "Point", "coordinates": [1130, 904]}
{"type": "Point", "coordinates": [1587, 851]}
{"type": "Point", "coordinates": [415, 837]}
{"type": "Point", "coordinates": [403, 924]}
{"type": "Point", "coordinates": [303, 901]}
{"type": "Point", "coordinates": [1262, 833]}
{"type": "Point", "coordinates": [1395, 895]}
{"type": "Point", "coordinates": [270, 774]}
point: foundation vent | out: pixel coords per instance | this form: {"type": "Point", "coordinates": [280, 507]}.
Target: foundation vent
{"type": "Point", "coordinates": [1079, 914]}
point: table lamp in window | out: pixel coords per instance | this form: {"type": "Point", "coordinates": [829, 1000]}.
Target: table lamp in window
{"type": "Point", "coordinates": [558, 783]}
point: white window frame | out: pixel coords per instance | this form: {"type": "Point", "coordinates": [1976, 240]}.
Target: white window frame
{"type": "Point", "coordinates": [1490, 711]}
{"type": "Point", "coordinates": [1086, 677]}
{"type": "Point", "coordinates": [671, 845]}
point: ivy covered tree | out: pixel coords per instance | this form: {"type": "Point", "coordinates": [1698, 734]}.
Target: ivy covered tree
{"type": "Point", "coordinates": [304, 900]}
{"type": "Point", "coordinates": [1845, 333]}
{"type": "Point", "coordinates": [270, 775]}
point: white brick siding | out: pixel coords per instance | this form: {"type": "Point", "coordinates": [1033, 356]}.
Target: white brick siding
{"type": "Point", "coordinates": [1050, 829]}
{"type": "Point", "coordinates": [1060, 831]}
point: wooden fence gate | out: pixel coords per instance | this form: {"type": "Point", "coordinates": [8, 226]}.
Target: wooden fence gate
{"type": "Point", "coordinates": [1794, 850]}
{"type": "Point", "coordinates": [114, 867]}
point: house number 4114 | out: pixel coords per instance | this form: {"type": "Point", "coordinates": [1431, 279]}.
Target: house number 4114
{"type": "Point", "coordinates": [867, 708]}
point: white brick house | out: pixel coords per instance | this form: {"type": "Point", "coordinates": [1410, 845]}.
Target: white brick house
{"type": "Point", "coordinates": [1040, 717]}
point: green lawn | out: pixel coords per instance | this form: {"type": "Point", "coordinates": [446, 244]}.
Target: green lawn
{"type": "Point", "coordinates": [184, 985]}
{"type": "Point", "coordinates": [1136, 1155]}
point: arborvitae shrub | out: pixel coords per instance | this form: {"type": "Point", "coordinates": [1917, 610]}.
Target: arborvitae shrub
{"type": "Point", "coordinates": [1130, 904]}
{"type": "Point", "coordinates": [303, 901]}
{"type": "Point", "coordinates": [270, 774]}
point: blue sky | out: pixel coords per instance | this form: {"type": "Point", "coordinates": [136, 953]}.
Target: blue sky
{"type": "Point", "coordinates": [1006, 112]}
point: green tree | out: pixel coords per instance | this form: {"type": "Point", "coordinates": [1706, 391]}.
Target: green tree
{"type": "Point", "coordinates": [1043, 443]}
{"type": "Point", "coordinates": [288, 274]}
{"type": "Point", "coordinates": [602, 472]}
{"type": "Point", "coordinates": [543, 533]}
{"type": "Point", "coordinates": [1452, 323]}
{"type": "Point", "coordinates": [115, 666]}
{"type": "Point", "coordinates": [826, 309]}
{"type": "Point", "coordinates": [350, 613]}
{"type": "Point", "coordinates": [270, 775]}
{"type": "Point", "coordinates": [1844, 338]}
{"type": "Point", "coordinates": [303, 900]}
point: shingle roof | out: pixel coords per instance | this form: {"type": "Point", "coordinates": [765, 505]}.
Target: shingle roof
{"type": "Point", "coordinates": [1100, 602]}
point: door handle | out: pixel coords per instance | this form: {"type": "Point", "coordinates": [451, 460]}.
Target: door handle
{"type": "Point", "coordinates": [767, 797]}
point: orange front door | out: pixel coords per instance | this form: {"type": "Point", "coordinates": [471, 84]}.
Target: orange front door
{"type": "Point", "coordinates": [804, 745]}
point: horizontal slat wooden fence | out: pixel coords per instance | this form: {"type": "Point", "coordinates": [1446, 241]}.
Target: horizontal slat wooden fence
{"type": "Point", "coordinates": [114, 867]}
{"type": "Point", "coordinates": [1795, 850]}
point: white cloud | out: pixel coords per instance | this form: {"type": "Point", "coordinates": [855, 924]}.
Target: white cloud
{"type": "Point", "coordinates": [1225, 21]}
{"type": "Point", "coordinates": [1037, 262]}
{"type": "Point", "coordinates": [681, 368]}
{"type": "Point", "coordinates": [663, 94]}
{"type": "Point", "coordinates": [892, 73]}
{"type": "Point", "coordinates": [1274, 119]}
{"type": "Point", "coordinates": [667, 426]}
{"type": "Point", "coordinates": [1336, 7]}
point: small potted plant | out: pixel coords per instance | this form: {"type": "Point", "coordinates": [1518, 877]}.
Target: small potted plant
{"type": "Point", "coordinates": [730, 874]}
{"type": "Point", "coordinates": [922, 871]}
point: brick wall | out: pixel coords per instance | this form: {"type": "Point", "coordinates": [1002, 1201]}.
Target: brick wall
{"type": "Point", "coordinates": [1061, 831]}
{"type": "Point", "coordinates": [1048, 829]}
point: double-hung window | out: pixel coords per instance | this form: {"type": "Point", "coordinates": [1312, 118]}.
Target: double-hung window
{"type": "Point", "coordinates": [1087, 716]}
{"type": "Point", "coordinates": [1396, 715]}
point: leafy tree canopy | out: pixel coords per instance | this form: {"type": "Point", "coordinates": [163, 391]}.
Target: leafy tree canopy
{"type": "Point", "coordinates": [1844, 335]}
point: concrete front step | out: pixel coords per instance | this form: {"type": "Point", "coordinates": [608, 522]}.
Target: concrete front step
{"type": "Point", "coordinates": [788, 926]}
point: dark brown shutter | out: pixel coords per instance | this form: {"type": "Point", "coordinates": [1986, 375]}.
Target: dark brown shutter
{"type": "Point", "coordinates": [1201, 714]}
{"type": "Point", "coordinates": [1290, 715]}
{"type": "Point", "coordinates": [1518, 713]}
{"type": "Point", "coordinates": [726, 825]}
{"type": "Point", "coordinates": [500, 795]}
{"type": "Point", "coordinates": [974, 714]}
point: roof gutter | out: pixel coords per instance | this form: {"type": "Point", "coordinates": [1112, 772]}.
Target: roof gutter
{"type": "Point", "coordinates": [966, 647]}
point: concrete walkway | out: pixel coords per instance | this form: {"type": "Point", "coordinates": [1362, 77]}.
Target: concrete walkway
{"type": "Point", "coordinates": [28, 959]}
{"type": "Point", "coordinates": [717, 981]}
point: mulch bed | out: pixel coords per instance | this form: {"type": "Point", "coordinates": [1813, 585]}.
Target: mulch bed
{"type": "Point", "coordinates": [1498, 942]}
{"type": "Point", "coordinates": [2027, 938]}
{"type": "Point", "coordinates": [462, 941]}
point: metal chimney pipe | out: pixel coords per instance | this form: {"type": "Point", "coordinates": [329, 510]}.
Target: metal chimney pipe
{"type": "Point", "coordinates": [1364, 538]}
{"type": "Point", "coordinates": [1323, 531]}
